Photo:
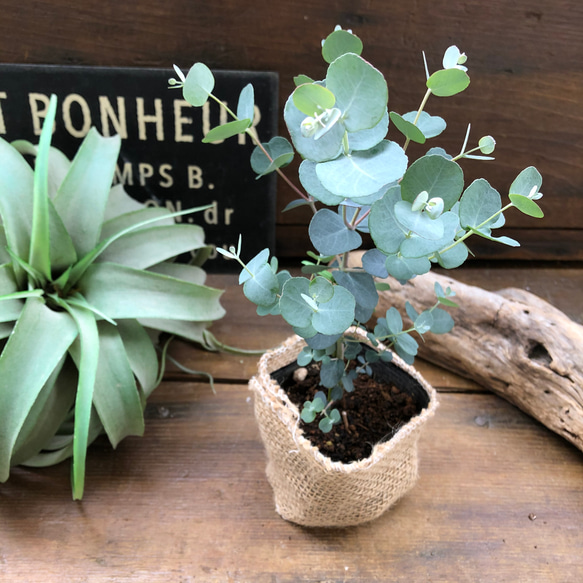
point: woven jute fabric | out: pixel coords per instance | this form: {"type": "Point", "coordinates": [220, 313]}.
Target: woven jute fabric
{"type": "Point", "coordinates": [309, 488]}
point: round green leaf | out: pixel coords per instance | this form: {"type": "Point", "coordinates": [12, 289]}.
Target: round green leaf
{"type": "Point", "coordinates": [360, 89]}
{"type": "Point", "coordinates": [487, 144]}
{"type": "Point", "coordinates": [394, 321]}
{"type": "Point", "coordinates": [408, 129]}
{"type": "Point", "coordinates": [415, 246]}
{"type": "Point", "coordinates": [453, 258]}
{"type": "Point", "coordinates": [312, 185]}
{"type": "Point", "coordinates": [327, 147]}
{"type": "Point", "coordinates": [336, 315]}
{"type": "Point", "coordinates": [331, 372]}
{"type": "Point", "coordinates": [304, 357]}
{"type": "Point", "coordinates": [405, 268]}
{"type": "Point", "coordinates": [330, 235]}
{"type": "Point", "coordinates": [406, 343]}
{"type": "Point", "coordinates": [326, 424]}
{"type": "Point", "coordinates": [365, 172]}
{"type": "Point", "coordinates": [448, 82]}
{"type": "Point", "coordinates": [262, 288]}
{"type": "Point", "coordinates": [423, 322]}
{"type": "Point", "coordinates": [294, 310]}
{"type": "Point", "coordinates": [308, 414]}
{"type": "Point", "coordinates": [312, 98]}
{"type": "Point", "coordinates": [526, 206]}
{"type": "Point", "coordinates": [321, 290]}
{"type": "Point", "coordinates": [373, 262]}
{"type": "Point", "coordinates": [257, 263]}
{"type": "Point", "coordinates": [320, 341]}
{"type": "Point", "coordinates": [418, 222]}
{"type": "Point", "coordinates": [442, 322]}
{"type": "Point", "coordinates": [437, 176]}
{"type": "Point", "coordinates": [339, 43]}
{"type": "Point", "coordinates": [479, 202]}
{"type": "Point", "coordinates": [430, 125]}
{"type": "Point", "coordinates": [246, 103]}
{"type": "Point", "coordinates": [198, 85]}
{"type": "Point", "coordinates": [279, 150]}
{"type": "Point", "coordinates": [366, 139]}
{"type": "Point", "coordinates": [227, 130]}
{"type": "Point", "coordinates": [301, 79]}
{"type": "Point", "coordinates": [525, 181]}
{"type": "Point", "coordinates": [361, 285]}
{"type": "Point", "coordinates": [385, 230]}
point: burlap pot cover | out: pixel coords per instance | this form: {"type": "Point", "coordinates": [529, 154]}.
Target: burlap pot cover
{"type": "Point", "coordinates": [309, 488]}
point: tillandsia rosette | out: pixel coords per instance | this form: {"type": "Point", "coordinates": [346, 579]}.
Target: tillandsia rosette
{"type": "Point", "coordinates": [358, 180]}
{"type": "Point", "coordinates": [86, 275]}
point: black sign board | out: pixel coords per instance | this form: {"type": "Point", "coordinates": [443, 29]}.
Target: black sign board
{"type": "Point", "coordinates": [162, 160]}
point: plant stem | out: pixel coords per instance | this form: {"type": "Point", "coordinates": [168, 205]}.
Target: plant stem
{"type": "Point", "coordinates": [257, 142]}
{"type": "Point", "coordinates": [472, 231]}
{"type": "Point", "coordinates": [421, 108]}
{"type": "Point", "coordinates": [462, 154]}
{"type": "Point", "coordinates": [340, 347]}
{"type": "Point", "coordinates": [362, 218]}
{"type": "Point", "coordinates": [345, 421]}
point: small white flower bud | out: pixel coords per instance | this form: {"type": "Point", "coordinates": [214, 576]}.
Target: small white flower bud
{"type": "Point", "coordinates": [434, 208]}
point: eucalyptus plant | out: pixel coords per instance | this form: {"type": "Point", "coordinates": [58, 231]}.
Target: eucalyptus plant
{"type": "Point", "coordinates": [357, 180]}
{"type": "Point", "coordinates": [86, 275]}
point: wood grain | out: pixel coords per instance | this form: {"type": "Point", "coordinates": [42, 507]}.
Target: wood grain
{"type": "Point", "coordinates": [511, 342]}
{"type": "Point", "coordinates": [524, 60]}
{"type": "Point", "coordinates": [243, 328]}
{"type": "Point", "coordinates": [499, 499]}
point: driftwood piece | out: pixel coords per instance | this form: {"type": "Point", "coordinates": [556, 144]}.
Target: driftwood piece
{"type": "Point", "coordinates": [511, 342]}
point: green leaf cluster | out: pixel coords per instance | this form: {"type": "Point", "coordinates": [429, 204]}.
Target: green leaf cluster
{"type": "Point", "coordinates": [86, 273]}
{"type": "Point", "coordinates": [357, 178]}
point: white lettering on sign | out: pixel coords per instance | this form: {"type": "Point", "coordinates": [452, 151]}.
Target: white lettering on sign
{"type": "Point", "coordinates": [142, 172]}
{"type": "Point", "coordinates": [37, 113]}
{"type": "Point", "coordinates": [167, 180]}
{"type": "Point", "coordinates": [118, 119]}
{"type": "Point", "coordinates": [110, 116]}
{"type": "Point", "coordinates": [210, 216]}
{"type": "Point", "coordinates": [125, 176]}
{"type": "Point", "coordinates": [71, 99]}
{"type": "Point", "coordinates": [195, 177]}
{"type": "Point", "coordinates": [156, 117]}
{"type": "Point", "coordinates": [180, 120]}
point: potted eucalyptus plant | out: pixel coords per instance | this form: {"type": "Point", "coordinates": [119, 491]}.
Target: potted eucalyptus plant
{"type": "Point", "coordinates": [310, 392]}
{"type": "Point", "coordinates": [87, 278]}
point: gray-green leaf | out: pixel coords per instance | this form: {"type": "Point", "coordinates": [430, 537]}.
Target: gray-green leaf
{"type": "Point", "coordinates": [364, 172]}
{"type": "Point", "coordinates": [199, 84]}
{"type": "Point", "coordinates": [330, 235]}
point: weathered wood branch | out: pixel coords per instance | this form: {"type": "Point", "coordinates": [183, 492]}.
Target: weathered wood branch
{"type": "Point", "coordinates": [511, 342]}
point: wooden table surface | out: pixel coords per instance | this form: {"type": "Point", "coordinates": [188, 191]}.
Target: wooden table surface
{"type": "Point", "coordinates": [499, 499]}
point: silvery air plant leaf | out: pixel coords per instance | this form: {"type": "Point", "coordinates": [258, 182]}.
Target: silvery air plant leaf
{"type": "Point", "coordinates": [86, 272]}
{"type": "Point", "coordinates": [358, 180]}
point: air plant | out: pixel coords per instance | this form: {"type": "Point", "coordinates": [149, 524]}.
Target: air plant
{"type": "Point", "coordinates": [86, 275]}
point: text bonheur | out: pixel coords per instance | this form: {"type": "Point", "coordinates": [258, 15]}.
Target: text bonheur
{"type": "Point", "coordinates": [114, 119]}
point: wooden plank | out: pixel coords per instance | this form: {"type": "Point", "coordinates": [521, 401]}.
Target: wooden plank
{"type": "Point", "coordinates": [524, 63]}
{"type": "Point", "coordinates": [535, 244]}
{"type": "Point", "coordinates": [499, 499]}
{"type": "Point", "coordinates": [241, 327]}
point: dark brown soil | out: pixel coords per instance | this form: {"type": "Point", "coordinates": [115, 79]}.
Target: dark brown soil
{"type": "Point", "coordinates": [372, 413]}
